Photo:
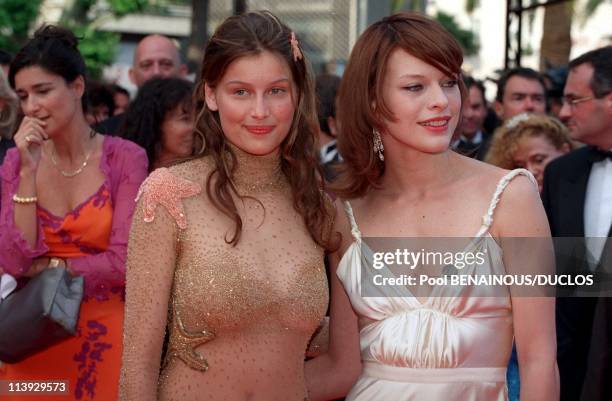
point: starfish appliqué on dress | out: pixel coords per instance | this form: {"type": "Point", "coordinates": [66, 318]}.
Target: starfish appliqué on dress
{"type": "Point", "coordinates": [163, 187]}
{"type": "Point", "coordinates": [185, 343]}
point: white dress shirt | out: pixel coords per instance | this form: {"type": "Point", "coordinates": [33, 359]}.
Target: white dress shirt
{"type": "Point", "coordinates": [598, 209]}
{"type": "Point", "coordinates": [476, 140]}
{"type": "Point", "coordinates": [328, 152]}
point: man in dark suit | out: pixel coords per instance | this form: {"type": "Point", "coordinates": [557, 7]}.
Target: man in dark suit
{"type": "Point", "coordinates": [326, 90]}
{"type": "Point", "coordinates": [577, 195]}
{"type": "Point", "coordinates": [474, 141]}
{"type": "Point", "coordinates": [597, 384]}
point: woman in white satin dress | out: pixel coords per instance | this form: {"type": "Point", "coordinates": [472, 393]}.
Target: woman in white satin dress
{"type": "Point", "coordinates": [399, 105]}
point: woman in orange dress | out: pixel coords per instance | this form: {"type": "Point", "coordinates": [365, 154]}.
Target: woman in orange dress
{"type": "Point", "coordinates": [58, 209]}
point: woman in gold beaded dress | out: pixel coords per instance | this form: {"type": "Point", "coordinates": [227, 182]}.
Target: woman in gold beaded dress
{"type": "Point", "coordinates": [226, 250]}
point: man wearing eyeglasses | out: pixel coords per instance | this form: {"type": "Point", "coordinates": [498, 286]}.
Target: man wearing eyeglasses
{"type": "Point", "coordinates": [577, 195]}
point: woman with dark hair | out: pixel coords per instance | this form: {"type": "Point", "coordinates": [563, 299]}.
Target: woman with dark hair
{"type": "Point", "coordinates": [67, 201]}
{"type": "Point", "coordinates": [400, 102]}
{"type": "Point", "coordinates": [100, 102]}
{"type": "Point", "coordinates": [160, 120]}
{"type": "Point", "coordinates": [231, 243]}
{"type": "Point", "coordinates": [121, 97]}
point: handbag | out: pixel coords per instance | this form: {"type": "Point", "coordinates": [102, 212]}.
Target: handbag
{"type": "Point", "coordinates": [44, 312]}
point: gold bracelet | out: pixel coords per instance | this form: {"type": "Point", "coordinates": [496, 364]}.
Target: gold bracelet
{"type": "Point", "coordinates": [24, 201]}
{"type": "Point", "coordinates": [56, 262]}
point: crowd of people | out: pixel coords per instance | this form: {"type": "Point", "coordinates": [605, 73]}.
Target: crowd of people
{"type": "Point", "coordinates": [221, 227]}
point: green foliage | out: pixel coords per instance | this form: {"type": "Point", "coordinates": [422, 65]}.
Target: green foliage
{"type": "Point", "coordinates": [467, 39]}
{"type": "Point", "coordinates": [471, 5]}
{"type": "Point", "coordinates": [123, 7]}
{"type": "Point", "coordinates": [98, 47]}
{"type": "Point", "coordinates": [413, 5]}
{"type": "Point", "coordinates": [591, 6]}
{"type": "Point", "coordinates": [396, 5]}
{"type": "Point", "coordinates": [15, 19]}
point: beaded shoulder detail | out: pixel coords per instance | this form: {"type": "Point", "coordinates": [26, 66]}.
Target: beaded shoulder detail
{"type": "Point", "coordinates": [163, 187]}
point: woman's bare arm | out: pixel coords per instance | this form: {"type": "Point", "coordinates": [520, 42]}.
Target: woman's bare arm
{"type": "Point", "coordinates": [530, 251]}
{"type": "Point", "coordinates": [332, 374]}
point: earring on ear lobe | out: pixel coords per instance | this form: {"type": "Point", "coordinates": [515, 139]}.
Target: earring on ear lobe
{"type": "Point", "coordinates": [378, 145]}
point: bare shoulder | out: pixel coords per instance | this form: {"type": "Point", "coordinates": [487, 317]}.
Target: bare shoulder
{"type": "Point", "coordinates": [486, 173]}
{"type": "Point", "coordinates": [514, 195]}
{"type": "Point", "coordinates": [519, 212]}
{"type": "Point", "coordinates": [520, 187]}
{"type": "Point", "coordinates": [517, 188]}
{"type": "Point", "coordinates": [477, 180]}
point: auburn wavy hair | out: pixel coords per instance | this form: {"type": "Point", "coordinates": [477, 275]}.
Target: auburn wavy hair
{"type": "Point", "coordinates": [361, 102]}
{"type": "Point", "coordinates": [507, 137]}
{"type": "Point", "coordinates": [246, 35]}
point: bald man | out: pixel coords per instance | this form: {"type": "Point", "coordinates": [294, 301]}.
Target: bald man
{"type": "Point", "coordinates": [156, 56]}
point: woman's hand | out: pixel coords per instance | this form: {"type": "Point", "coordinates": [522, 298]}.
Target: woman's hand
{"type": "Point", "coordinates": [29, 139]}
{"type": "Point", "coordinates": [38, 265]}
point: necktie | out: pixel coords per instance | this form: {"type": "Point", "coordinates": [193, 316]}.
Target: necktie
{"type": "Point", "coordinates": [597, 155]}
{"type": "Point", "coordinates": [467, 148]}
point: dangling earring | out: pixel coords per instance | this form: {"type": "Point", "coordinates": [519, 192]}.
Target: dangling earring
{"type": "Point", "coordinates": [378, 145]}
{"type": "Point", "coordinates": [202, 144]}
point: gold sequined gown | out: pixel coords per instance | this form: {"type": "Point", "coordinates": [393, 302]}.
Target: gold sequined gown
{"type": "Point", "coordinates": [239, 318]}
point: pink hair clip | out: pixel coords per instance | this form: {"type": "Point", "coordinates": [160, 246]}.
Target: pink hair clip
{"type": "Point", "coordinates": [297, 53]}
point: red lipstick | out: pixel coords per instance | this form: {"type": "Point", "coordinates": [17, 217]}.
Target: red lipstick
{"type": "Point", "coordinates": [436, 124]}
{"type": "Point", "coordinates": [259, 129]}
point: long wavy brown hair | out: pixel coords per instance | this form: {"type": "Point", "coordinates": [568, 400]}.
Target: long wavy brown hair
{"type": "Point", "coordinates": [246, 35]}
{"type": "Point", "coordinates": [361, 102]}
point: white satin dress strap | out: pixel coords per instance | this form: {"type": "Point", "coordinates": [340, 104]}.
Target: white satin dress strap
{"type": "Point", "coordinates": [487, 219]}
